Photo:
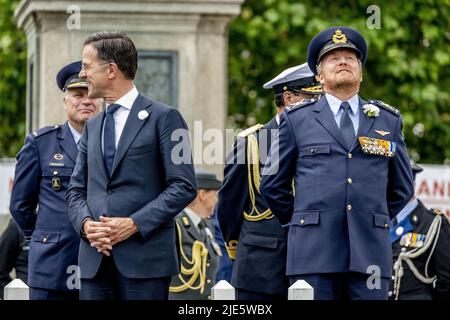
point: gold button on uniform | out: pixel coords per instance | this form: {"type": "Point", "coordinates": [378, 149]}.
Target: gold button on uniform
{"type": "Point", "coordinates": [44, 240]}
{"type": "Point", "coordinates": [386, 225]}
{"type": "Point", "coordinates": [302, 221]}
{"type": "Point", "coordinates": [349, 207]}
{"type": "Point", "coordinates": [208, 280]}
{"type": "Point", "coordinates": [208, 264]}
{"type": "Point", "coordinates": [349, 181]}
{"type": "Point", "coordinates": [349, 155]}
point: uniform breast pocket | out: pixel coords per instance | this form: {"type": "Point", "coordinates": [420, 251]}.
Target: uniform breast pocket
{"type": "Point", "coordinates": [305, 218]}
{"type": "Point", "coordinates": [57, 178]}
{"type": "Point", "coordinates": [136, 150]}
{"type": "Point", "coordinates": [314, 150]}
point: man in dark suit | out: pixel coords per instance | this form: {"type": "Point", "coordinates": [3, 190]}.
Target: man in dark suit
{"type": "Point", "coordinates": [420, 240]}
{"type": "Point", "coordinates": [200, 253]}
{"type": "Point", "coordinates": [128, 183]}
{"type": "Point", "coordinates": [351, 174]}
{"type": "Point", "coordinates": [42, 175]}
{"type": "Point", "coordinates": [254, 238]}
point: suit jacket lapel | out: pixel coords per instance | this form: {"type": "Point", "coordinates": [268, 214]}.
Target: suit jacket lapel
{"type": "Point", "coordinates": [67, 142]}
{"type": "Point", "coordinates": [326, 119]}
{"type": "Point", "coordinates": [132, 127]}
{"type": "Point", "coordinates": [365, 124]}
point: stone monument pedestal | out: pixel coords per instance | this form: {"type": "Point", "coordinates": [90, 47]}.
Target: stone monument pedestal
{"type": "Point", "coordinates": [193, 34]}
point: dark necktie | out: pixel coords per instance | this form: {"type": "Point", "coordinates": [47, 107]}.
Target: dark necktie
{"type": "Point", "coordinates": [202, 231]}
{"type": "Point", "coordinates": [346, 125]}
{"type": "Point", "coordinates": [109, 137]}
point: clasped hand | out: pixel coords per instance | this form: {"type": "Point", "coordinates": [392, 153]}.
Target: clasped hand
{"type": "Point", "coordinates": [104, 234]}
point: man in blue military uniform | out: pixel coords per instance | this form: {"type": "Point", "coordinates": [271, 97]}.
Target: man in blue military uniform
{"type": "Point", "coordinates": [200, 253]}
{"type": "Point", "coordinates": [43, 170]}
{"type": "Point", "coordinates": [421, 251]}
{"type": "Point", "coordinates": [253, 236]}
{"type": "Point", "coordinates": [351, 174]}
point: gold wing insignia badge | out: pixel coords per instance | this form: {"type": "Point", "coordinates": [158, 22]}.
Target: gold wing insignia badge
{"type": "Point", "coordinates": [382, 133]}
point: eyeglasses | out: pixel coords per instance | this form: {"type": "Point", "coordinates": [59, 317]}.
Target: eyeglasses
{"type": "Point", "coordinates": [90, 68]}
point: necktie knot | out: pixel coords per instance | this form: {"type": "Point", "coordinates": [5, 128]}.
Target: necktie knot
{"type": "Point", "coordinates": [345, 105]}
{"type": "Point", "coordinates": [202, 224]}
{"type": "Point", "coordinates": [112, 108]}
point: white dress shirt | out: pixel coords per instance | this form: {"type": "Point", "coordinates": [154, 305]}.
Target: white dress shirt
{"type": "Point", "coordinates": [335, 105]}
{"type": "Point", "coordinates": [193, 216]}
{"type": "Point", "coordinates": [121, 115]}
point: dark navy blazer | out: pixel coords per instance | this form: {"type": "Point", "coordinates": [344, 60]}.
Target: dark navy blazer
{"type": "Point", "coordinates": [45, 162]}
{"type": "Point", "coordinates": [344, 198]}
{"type": "Point", "coordinates": [145, 185]}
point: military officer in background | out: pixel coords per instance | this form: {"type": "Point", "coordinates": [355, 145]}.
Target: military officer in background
{"type": "Point", "coordinates": [198, 248]}
{"type": "Point", "coordinates": [253, 236]}
{"type": "Point", "coordinates": [421, 250]}
{"type": "Point", "coordinates": [351, 174]}
{"type": "Point", "coordinates": [42, 174]}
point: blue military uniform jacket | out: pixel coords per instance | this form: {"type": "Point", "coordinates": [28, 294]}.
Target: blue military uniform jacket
{"type": "Point", "coordinates": [43, 170]}
{"type": "Point", "coordinates": [257, 244]}
{"type": "Point", "coordinates": [429, 252]}
{"type": "Point", "coordinates": [344, 197]}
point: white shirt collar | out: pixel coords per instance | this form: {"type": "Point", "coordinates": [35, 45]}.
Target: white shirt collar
{"type": "Point", "coordinates": [193, 216]}
{"type": "Point", "coordinates": [277, 119]}
{"type": "Point", "coordinates": [128, 99]}
{"type": "Point", "coordinates": [335, 103]}
{"type": "Point", "coordinates": [75, 134]}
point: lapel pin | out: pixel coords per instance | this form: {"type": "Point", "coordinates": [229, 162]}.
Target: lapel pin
{"type": "Point", "coordinates": [58, 156]}
{"type": "Point", "coordinates": [142, 115]}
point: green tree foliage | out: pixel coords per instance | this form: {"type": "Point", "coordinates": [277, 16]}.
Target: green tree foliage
{"type": "Point", "coordinates": [12, 81]}
{"type": "Point", "coordinates": [408, 61]}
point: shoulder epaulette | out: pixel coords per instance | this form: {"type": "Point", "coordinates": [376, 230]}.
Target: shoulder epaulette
{"type": "Point", "coordinates": [250, 130]}
{"type": "Point", "coordinates": [385, 106]}
{"type": "Point", "coordinates": [44, 130]}
{"type": "Point", "coordinates": [299, 105]}
{"type": "Point", "coordinates": [185, 221]}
